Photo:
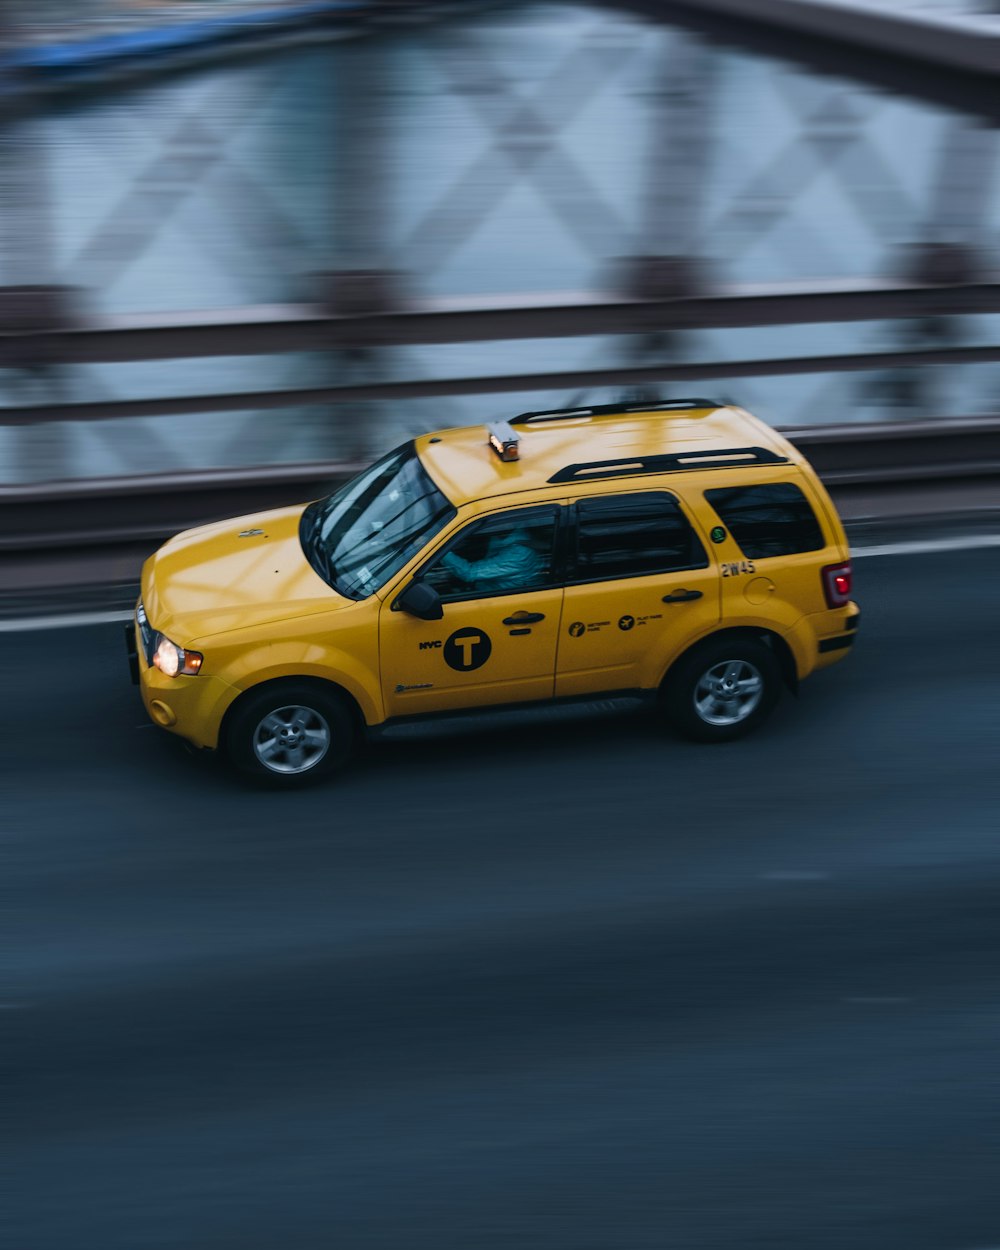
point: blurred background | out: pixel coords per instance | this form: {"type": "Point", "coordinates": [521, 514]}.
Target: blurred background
{"type": "Point", "coordinates": [655, 996]}
{"type": "Point", "coordinates": [535, 155]}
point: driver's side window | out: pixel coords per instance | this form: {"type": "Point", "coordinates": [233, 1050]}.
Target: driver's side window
{"type": "Point", "coordinates": [502, 554]}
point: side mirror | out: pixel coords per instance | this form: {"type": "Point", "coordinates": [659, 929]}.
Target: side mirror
{"type": "Point", "coordinates": [421, 600]}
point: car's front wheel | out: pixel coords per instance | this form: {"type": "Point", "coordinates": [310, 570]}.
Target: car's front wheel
{"type": "Point", "coordinates": [722, 690]}
{"type": "Point", "coordinates": [290, 734]}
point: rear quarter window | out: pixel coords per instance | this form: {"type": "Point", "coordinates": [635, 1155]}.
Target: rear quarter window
{"type": "Point", "coordinates": [768, 520]}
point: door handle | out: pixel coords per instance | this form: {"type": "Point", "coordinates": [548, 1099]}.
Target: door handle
{"type": "Point", "coordinates": [524, 618]}
{"type": "Point", "coordinates": [682, 596]}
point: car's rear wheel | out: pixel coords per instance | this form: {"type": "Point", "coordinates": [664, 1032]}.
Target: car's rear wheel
{"type": "Point", "coordinates": [722, 690]}
{"type": "Point", "coordinates": [290, 735]}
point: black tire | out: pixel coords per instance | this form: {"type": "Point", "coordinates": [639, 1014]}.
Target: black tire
{"type": "Point", "coordinates": [722, 690]}
{"type": "Point", "coordinates": [290, 734]}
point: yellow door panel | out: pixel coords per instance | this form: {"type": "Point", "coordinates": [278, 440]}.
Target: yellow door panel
{"type": "Point", "coordinates": [497, 582]}
{"type": "Point", "coordinates": [483, 652]}
{"type": "Point", "coordinates": [622, 635]}
{"type": "Point", "coordinates": [643, 587]}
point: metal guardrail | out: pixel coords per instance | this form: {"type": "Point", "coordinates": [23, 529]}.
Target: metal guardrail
{"type": "Point", "coordinates": [571, 379]}
{"type": "Point", "coordinates": [100, 512]}
{"type": "Point", "coordinates": [969, 42]}
{"type": "Point", "coordinates": [900, 51]}
{"type": "Point", "coordinates": [104, 512]}
{"type": "Point", "coordinates": [27, 331]}
{"type": "Point", "coordinates": [275, 329]}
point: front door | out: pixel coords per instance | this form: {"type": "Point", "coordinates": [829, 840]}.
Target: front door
{"type": "Point", "coordinates": [641, 587]}
{"type": "Point", "coordinates": [502, 606]}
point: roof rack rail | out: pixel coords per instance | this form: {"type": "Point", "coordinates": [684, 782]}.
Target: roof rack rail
{"type": "Point", "coordinates": [676, 462]}
{"type": "Point", "coordinates": [601, 410]}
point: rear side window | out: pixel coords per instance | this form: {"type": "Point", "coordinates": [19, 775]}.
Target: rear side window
{"type": "Point", "coordinates": [770, 520]}
{"type": "Point", "coordinates": [633, 535]}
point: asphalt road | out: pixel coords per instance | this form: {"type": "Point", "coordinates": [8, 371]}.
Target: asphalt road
{"type": "Point", "coordinates": [532, 982]}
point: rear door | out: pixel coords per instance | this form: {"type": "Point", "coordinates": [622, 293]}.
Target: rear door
{"type": "Point", "coordinates": [641, 586]}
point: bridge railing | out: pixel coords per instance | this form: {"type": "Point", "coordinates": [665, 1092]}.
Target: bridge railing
{"type": "Point", "coordinates": [92, 512]}
{"type": "Point", "coordinates": [661, 287]}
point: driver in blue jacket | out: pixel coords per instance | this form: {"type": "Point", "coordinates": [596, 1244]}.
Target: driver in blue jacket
{"type": "Point", "coordinates": [510, 563]}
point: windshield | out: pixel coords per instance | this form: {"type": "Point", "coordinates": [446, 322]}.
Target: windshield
{"type": "Point", "coordinates": [365, 532]}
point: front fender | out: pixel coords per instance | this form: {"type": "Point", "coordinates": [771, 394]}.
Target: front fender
{"type": "Point", "coordinates": [282, 660]}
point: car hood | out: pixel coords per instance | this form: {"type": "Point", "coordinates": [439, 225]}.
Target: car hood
{"type": "Point", "coordinates": [247, 571]}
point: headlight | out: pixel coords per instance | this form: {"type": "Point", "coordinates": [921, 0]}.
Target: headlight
{"type": "Point", "coordinates": [173, 660]}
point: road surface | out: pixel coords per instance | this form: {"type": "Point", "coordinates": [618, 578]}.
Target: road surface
{"type": "Point", "coordinates": [529, 981]}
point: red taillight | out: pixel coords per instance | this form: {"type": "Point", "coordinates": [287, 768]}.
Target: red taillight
{"type": "Point", "coordinates": [837, 584]}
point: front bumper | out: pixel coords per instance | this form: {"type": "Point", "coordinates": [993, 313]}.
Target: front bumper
{"type": "Point", "coordinates": [192, 707]}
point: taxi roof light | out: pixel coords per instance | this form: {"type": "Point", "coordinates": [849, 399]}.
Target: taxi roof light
{"type": "Point", "coordinates": [504, 441]}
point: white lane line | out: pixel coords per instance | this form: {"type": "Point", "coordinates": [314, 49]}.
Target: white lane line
{"type": "Point", "coordinates": [30, 623]}
{"type": "Point", "coordinates": [974, 542]}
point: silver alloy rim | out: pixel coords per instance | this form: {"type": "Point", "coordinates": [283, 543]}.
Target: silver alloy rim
{"type": "Point", "coordinates": [728, 692]}
{"type": "Point", "coordinates": [291, 739]}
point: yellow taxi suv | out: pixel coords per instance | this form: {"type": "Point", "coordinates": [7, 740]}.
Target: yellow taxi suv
{"type": "Point", "coordinates": [682, 550]}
